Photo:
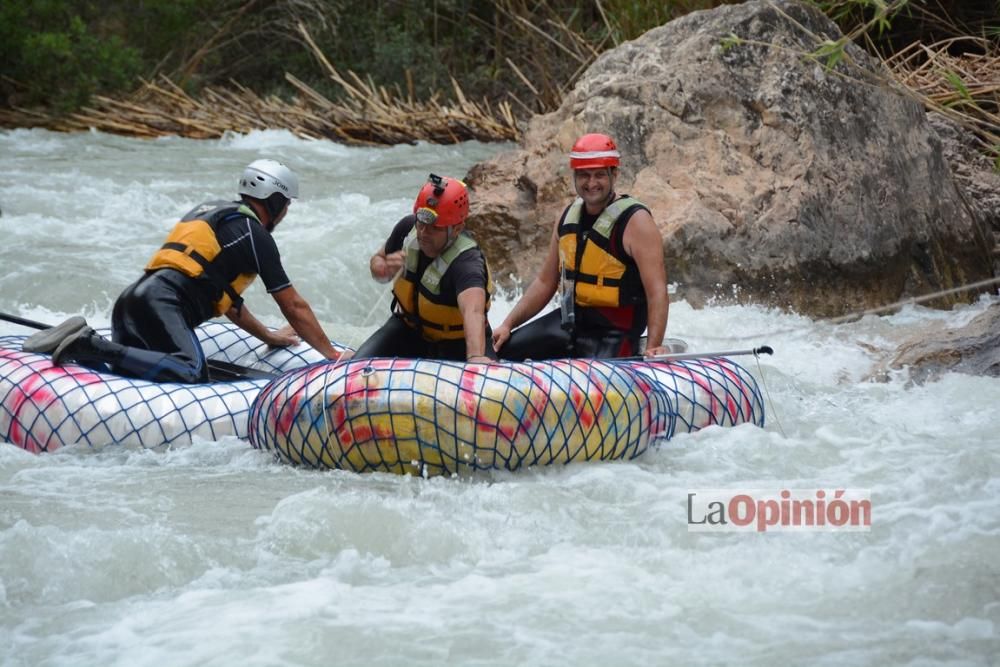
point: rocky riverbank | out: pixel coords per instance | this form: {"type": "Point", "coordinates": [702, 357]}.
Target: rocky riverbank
{"type": "Point", "coordinates": [773, 178]}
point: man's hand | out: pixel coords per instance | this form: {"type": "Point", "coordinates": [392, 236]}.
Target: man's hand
{"type": "Point", "coordinates": [384, 267]}
{"type": "Point", "coordinates": [670, 346]}
{"type": "Point", "coordinates": [500, 336]}
{"type": "Point", "coordinates": [283, 337]}
{"type": "Point", "coordinates": [480, 359]}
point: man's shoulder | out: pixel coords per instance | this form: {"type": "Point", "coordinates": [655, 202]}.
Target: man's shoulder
{"type": "Point", "coordinates": [629, 201]}
{"type": "Point", "coordinates": [630, 207]}
{"type": "Point", "coordinates": [471, 257]}
{"type": "Point", "coordinates": [206, 208]}
{"type": "Point", "coordinates": [472, 249]}
{"type": "Point", "coordinates": [405, 224]}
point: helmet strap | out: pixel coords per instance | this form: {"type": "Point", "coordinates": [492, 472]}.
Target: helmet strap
{"type": "Point", "coordinates": [452, 235]}
{"type": "Point", "coordinates": [611, 180]}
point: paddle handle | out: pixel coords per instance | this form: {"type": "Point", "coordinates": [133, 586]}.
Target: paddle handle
{"type": "Point", "coordinates": [31, 324]}
{"type": "Point", "coordinates": [755, 351]}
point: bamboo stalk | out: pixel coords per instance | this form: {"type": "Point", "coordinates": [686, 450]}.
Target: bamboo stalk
{"type": "Point", "coordinates": [368, 114]}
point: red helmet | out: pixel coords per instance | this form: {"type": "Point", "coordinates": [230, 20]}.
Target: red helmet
{"type": "Point", "coordinates": [442, 202]}
{"type": "Point", "coordinates": [592, 151]}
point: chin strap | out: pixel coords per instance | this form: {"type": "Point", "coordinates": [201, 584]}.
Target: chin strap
{"type": "Point", "coordinates": [452, 237]}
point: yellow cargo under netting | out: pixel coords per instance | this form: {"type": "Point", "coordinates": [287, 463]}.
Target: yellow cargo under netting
{"type": "Point", "coordinates": [436, 417]}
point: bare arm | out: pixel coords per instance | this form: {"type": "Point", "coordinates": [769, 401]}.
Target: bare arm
{"type": "Point", "coordinates": [472, 303]}
{"type": "Point", "coordinates": [300, 315]}
{"type": "Point", "coordinates": [538, 294]}
{"type": "Point", "coordinates": [245, 320]}
{"type": "Point", "coordinates": [384, 267]}
{"type": "Point", "coordinates": [645, 244]}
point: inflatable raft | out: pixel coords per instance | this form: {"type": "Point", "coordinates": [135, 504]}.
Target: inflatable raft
{"type": "Point", "coordinates": [45, 407]}
{"type": "Point", "coordinates": [435, 417]}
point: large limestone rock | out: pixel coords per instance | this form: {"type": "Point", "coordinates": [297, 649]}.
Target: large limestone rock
{"type": "Point", "coordinates": [772, 178]}
{"type": "Point", "coordinates": [973, 349]}
{"type": "Point", "coordinates": [975, 174]}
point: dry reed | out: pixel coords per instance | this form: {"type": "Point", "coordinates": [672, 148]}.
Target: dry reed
{"type": "Point", "coordinates": [965, 87]}
{"type": "Point", "coordinates": [366, 114]}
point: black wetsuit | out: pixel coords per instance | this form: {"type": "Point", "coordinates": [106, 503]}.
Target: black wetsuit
{"type": "Point", "coordinates": [155, 317]}
{"type": "Point", "coordinates": [599, 333]}
{"type": "Point", "coordinates": [398, 339]}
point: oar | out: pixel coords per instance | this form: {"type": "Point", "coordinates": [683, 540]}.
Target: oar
{"type": "Point", "coordinates": [755, 351]}
{"type": "Point", "coordinates": [218, 370]}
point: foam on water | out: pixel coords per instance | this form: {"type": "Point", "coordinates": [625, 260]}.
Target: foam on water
{"type": "Point", "coordinates": [213, 554]}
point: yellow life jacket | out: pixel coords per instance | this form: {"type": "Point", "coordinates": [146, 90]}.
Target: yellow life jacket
{"type": "Point", "coordinates": [419, 297]}
{"type": "Point", "coordinates": [601, 276]}
{"type": "Point", "coordinates": [192, 246]}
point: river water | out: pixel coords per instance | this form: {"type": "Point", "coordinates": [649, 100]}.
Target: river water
{"type": "Point", "coordinates": [213, 554]}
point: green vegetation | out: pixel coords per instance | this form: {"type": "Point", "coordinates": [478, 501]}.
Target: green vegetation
{"type": "Point", "coordinates": [60, 52]}
{"type": "Point", "coordinates": [57, 54]}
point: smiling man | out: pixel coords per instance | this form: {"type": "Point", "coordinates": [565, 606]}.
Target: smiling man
{"type": "Point", "coordinates": [606, 258]}
{"type": "Point", "coordinates": [442, 285]}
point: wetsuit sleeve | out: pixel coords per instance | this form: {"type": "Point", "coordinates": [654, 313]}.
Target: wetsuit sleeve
{"type": "Point", "coordinates": [268, 260]}
{"type": "Point", "coordinates": [399, 233]}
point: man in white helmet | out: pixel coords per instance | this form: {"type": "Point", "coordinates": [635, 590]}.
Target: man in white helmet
{"type": "Point", "coordinates": [209, 258]}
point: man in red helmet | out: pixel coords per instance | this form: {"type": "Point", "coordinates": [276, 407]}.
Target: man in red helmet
{"type": "Point", "coordinates": [442, 285]}
{"type": "Point", "coordinates": [606, 256]}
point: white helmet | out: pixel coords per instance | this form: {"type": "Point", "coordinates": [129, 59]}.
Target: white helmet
{"type": "Point", "coordinates": [262, 178]}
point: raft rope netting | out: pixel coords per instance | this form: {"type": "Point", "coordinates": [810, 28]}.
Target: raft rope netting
{"type": "Point", "coordinates": [43, 407]}
{"type": "Point", "coordinates": [447, 450]}
{"type": "Point", "coordinates": [36, 411]}
{"type": "Point", "coordinates": [431, 417]}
